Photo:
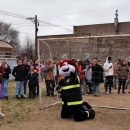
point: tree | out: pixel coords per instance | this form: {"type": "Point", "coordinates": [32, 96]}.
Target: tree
{"type": "Point", "coordinates": [8, 34]}
{"type": "Point", "coordinates": [28, 48]}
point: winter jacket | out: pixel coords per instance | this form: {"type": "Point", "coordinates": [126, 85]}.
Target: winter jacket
{"type": "Point", "coordinates": [19, 73]}
{"type": "Point", "coordinates": [70, 90]}
{"type": "Point", "coordinates": [97, 74]}
{"type": "Point", "coordinates": [123, 72]}
{"type": "Point", "coordinates": [33, 79]}
{"type": "Point", "coordinates": [81, 72]}
{"type": "Point", "coordinates": [6, 72]}
{"type": "Point", "coordinates": [26, 69]}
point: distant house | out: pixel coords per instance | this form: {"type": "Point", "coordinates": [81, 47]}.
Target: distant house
{"type": "Point", "coordinates": [6, 50]}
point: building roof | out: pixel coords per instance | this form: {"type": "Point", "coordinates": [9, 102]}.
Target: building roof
{"type": "Point", "coordinates": [5, 45]}
{"type": "Point", "coordinates": [94, 30]}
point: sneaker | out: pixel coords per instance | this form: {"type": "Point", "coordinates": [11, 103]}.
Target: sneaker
{"type": "Point", "coordinates": [2, 114]}
{"type": "Point", "coordinates": [25, 96]}
{"type": "Point", "coordinates": [96, 95]}
{"type": "Point", "coordinates": [107, 92]}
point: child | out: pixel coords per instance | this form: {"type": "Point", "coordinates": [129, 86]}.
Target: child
{"type": "Point", "coordinates": [33, 79]}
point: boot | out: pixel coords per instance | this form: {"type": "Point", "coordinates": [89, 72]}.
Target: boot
{"type": "Point", "coordinates": [119, 90]}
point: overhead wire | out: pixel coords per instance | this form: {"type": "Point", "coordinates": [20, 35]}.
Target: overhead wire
{"type": "Point", "coordinates": [54, 25]}
{"type": "Point", "coordinates": [7, 13]}
{"type": "Point", "coordinates": [24, 17]}
{"type": "Point", "coordinates": [85, 11]}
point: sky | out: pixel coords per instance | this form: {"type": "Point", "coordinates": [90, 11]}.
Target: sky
{"type": "Point", "coordinates": [61, 15]}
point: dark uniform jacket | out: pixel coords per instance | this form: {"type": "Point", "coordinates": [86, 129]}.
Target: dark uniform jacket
{"type": "Point", "coordinates": [70, 90]}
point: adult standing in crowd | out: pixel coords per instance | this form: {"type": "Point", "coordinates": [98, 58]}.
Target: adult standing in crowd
{"type": "Point", "coordinates": [122, 75]}
{"type": "Point", "coordinates": [97, 76]}
{"type": "Point", "coordinates": [5, 77]}
{"type": "Point", "coordinates": [108, 72]}
{"type": "Point", "coordinates": [26, 69]}
{"type": "Point", "coordinates": [19, 74]}
{"type": "Point", "coordinates": [82, 77]}
{"type": "Point", "coordinates": [49, 78]}
{"type": "Point", "coordinates": [115, 77]}
{"type": "Point", "coordinates": [1, 91]}
{"type": "Point", "coordinates": [128, 80]}
{"type": "Point", "coordinates": [88, 77]}
{"type": "Point", "coordinates": [37, 69]}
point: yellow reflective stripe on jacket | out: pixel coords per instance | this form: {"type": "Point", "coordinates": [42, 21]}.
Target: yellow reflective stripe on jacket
{"type": "Point", "coordinates": [74, 103]}
{"type": "Point", "coordinates": [71, 86]}
{"type": "Point", "coordinates": [78, 79]}
{"type": "Point", "coordinates": [87, 113]}
{"type": "Point", "coordinates": [59, 90]}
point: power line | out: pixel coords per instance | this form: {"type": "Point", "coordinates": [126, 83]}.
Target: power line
{"type": "Point", "coordinates": [24, 17]}
{"type": "Point", "coordinates": [12, 14]}
{"type": "Point", "coordinates": [85, 11]}
{"type": "Point", "coordinates": [54, 25]}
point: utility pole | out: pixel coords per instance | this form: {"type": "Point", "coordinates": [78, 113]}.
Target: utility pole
{"type": "Point", "coordinates": [35, 21]}
{"type": "Point", "coordinates": [116, 22]}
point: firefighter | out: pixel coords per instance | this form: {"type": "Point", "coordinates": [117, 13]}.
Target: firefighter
{"type": "Point", "coordinates": [72, 103]}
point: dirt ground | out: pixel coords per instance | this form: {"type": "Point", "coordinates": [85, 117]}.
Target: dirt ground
{"type": "Point", "coordinates": [25, 114]}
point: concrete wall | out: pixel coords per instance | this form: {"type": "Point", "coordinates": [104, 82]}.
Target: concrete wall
{"type": "Point", "coordinates": [102, 29]}
{"type": "Point", "coordinates": [117, 47]}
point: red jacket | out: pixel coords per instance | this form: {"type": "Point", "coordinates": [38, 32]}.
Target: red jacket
{"type": "Point", "coordinates": [81, 72]}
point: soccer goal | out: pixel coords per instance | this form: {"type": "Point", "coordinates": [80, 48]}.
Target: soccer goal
{"type": "Point", "coordinates": [80, 47]}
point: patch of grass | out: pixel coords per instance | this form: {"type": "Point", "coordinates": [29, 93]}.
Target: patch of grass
{"type": "Point", "coordinates": [16, 110]}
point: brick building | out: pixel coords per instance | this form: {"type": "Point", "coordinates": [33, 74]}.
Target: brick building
{"type": "Point", "coordinates": [88, 41]}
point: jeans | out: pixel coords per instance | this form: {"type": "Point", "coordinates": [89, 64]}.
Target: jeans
{"type": "Point", "coordinates": [25, 86]}
{"type": "Point", "coordinates": [96, 88]}
{"type": "Point", "coordinates": [19, 88]}
{"type": "Point", "coordinates": [109, 83]}
{"type": "Point", "coordinates": [5, 85]}
{"type": "Point", "coordinates": [122, 83]}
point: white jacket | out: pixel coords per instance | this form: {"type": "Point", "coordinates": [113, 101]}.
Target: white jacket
{"type": "Point", "coordinates": [108, 68]}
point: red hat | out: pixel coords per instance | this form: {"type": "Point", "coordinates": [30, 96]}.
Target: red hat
{"type": "Point", "coordinates": [69, 61]}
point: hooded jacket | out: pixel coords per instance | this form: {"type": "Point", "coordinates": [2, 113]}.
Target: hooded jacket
{"type": "Point", "coordinates": [108, 68]}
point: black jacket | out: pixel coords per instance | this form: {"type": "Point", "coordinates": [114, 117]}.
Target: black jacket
{"type": "Point", "coordinates": [6, 73]}
{"type": "Point", "coordinates": [70, 95]}
{"type": "Point", "coordinates": [26, 69]}
{"type": "Point", "coordinates": [33, 79]}
{"type": "Point", "coordinates": [19, 73]}
{"type": "Point", "coordinates": [97, 74]}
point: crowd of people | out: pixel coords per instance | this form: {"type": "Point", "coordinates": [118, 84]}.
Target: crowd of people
{"type": "Point", "coordinates": [91, 74]}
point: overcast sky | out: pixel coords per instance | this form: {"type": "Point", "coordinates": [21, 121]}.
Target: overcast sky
{"type": "Point", "coordinates": [64, 13]}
